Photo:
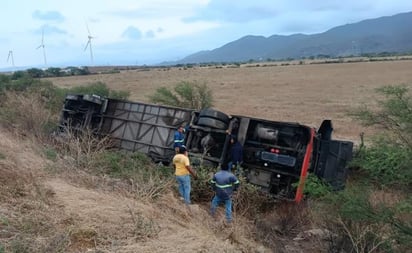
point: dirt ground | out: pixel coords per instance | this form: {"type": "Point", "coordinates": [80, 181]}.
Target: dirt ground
{"type": "Point", "coordinates": [81, 218]}
{"type": "Point", "coordinates": [54, 205]}
{"type": "Point", "coordinates": [303, 93]}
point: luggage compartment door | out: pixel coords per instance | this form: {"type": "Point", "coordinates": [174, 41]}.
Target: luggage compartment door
{"type": "Point", "coordinates": [334, 157]}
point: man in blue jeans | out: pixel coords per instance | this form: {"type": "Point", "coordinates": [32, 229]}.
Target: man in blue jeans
{"type": "Point", "coordinates": [179, 138]}
{"type": "Point", "coordinates": [224, 183]}
{"type": "Point", "coordinates": [183, 171]}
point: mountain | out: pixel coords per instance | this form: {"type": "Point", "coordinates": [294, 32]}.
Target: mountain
{"type": "Point", "coordinates": [385, 34]}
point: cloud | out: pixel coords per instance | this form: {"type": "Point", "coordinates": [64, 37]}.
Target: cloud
{"type": "Point", "coordinates": [133, 33]}
{"type": "Point", "coordinates": [239, 12]}
{"type": "Point", "coordinates": [150, 34]}
{"type": "Point", "coordinates": [251, 11]}
{"type": "Point", "coordinates": [49, 30]}
{"type": "Point", "coordinates": [48, 16]}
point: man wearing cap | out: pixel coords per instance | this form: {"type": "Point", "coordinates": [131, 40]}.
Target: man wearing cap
{"type": "Point", "coordinates": [183, 171]}
{"type": "Point", "coordinates": [179, 138]}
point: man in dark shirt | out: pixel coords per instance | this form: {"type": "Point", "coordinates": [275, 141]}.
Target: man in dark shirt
{"type": "Point", "coordinates": [179, 138]}
{"type": "Point", "coordinates": [224, 183]}
{"type": "Point", "coordinates": [235, 155]}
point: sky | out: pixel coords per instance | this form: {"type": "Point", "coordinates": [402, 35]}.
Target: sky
{"type": "Point", "coordinates": [50, 33]}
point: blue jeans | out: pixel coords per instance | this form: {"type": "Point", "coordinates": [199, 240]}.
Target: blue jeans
{"type": "Point", "coordinates": [228, 206]}
{"type": "Point", "coordinates": [231, 165]}
{"type": "Point", "coordinates": [184, 187]}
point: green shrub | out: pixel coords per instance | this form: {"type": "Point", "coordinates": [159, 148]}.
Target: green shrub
{"type": "Point", "coordinates": [185, 94]}
{"type": "Point", "coordinates": [97, 88]}
{"type": "Point", "coordinates": [100, 89]}
{"type": "Point", "coordinates": [250, 200]}
{"type": "Point", "coordinates": [20, 245]}
{"type": "Point", "coordinates": [4, 79]}
{"type": "Point", "coordinates": [366, 224]}
{"type": "Point", "coordinates": [33, 105]}
{"type": "Point", "coordinates": [201, 189]}
{"type": "Point", "coordinates": [50, 154]}
{"type": "Point", "coordinates": [148, 180]}
{"type": "Point", "coordinates": [393, 115]}
{"type": "Point", "coordinates": [362, 221]}
{"type": "Point", "coordinates": [121, 164]}
{"type": "Point", "coordinates": [386, 164]}
{"type": "Point", "coordinates": [315, 187]}
{"type": "Point", "coordinates": [388, 159]}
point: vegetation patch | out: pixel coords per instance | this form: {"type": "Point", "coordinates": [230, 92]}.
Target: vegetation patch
{"type": "Point", "coordinates": [373, 214]}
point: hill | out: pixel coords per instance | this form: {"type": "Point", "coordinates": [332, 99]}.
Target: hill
{"type": "Point", "coordinates": [373, 36]}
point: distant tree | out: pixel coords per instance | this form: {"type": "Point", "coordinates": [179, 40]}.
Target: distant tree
{"type": "Point", "coordinates": [4, 79]}
{"type": "Point", "coordinates": [18, 75]}
{"type": "Point", "coordinates": [53, 72]}
{"type": "Point", "coordinates": [84, 71]}
{"type": "Point", "coordinates": [184, 94]}
{"type": "Point", "coordinates": [35, 73]}
{"type": "Point", "coordinates": [97, 88]}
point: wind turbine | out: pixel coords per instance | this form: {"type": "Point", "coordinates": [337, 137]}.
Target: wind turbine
{"type": "Point", "coordinates": [89, 43]}
{"type": "Point", "coordinates": [10, 56]}
{"type": "Point", "coordinates": [42, 45]}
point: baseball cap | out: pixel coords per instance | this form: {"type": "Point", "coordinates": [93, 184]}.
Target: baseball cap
{"type": "Point", "coordinates": [182, 149]}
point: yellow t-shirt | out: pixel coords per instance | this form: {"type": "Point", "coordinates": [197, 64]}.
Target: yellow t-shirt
{"type": "Point", "coordinates": [181, 161]}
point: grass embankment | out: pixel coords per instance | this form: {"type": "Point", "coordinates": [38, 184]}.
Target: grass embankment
{"type": "Point", "coordinates": [73, 195]}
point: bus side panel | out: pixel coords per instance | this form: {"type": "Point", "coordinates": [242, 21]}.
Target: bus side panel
{"type": "Point", "coordinates": [145, 128]}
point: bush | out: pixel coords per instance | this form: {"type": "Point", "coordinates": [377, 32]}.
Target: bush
{"type": "Point", "coordinates": [249, 201]}
{"type": "Point", "coordinates": [361, 221]}
{"type": "Point", "coordinates": [364, 224]}
{"type": "Point", "coordinates": [316, 187]}
{"type": "Point", "coordinates": [387, 161]}
{"type": "Point", "coordinates": [84, 147]}
{"type": "Point", "coordinates": [394, 115]}
{"type": "Point", "coordinates": [185, 95]}
{"type": "Point", "coordinates": [201, 189]}
{"type": "Point", "coordinates": [50, 154]}
{"type": "Point", "coordinates": [386, 164]}
{"type": "Point", "coordinates": [147, 180]}
{"type": "Point", "coordinates": [26, 112]}
{"type": "Point", "coordinates": [100, 89]}
{"type": "Point", "coordinates": [33, 106]}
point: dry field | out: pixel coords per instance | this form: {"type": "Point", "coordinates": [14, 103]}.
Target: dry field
{"type": "Point", "coordinates": [306, 93]}
{"type": "Point", "coordinates": [52, 206]}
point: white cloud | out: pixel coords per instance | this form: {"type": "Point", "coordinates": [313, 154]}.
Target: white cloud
{"type": "Point", "coordinates": [48, 16]}
{"type": "Point", "coordinates": [132, 33]}
{"type": "Point", "coordinates": [157, 30]}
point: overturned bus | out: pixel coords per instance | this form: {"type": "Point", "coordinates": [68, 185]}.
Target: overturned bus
{"type": "Point", "coordinates": [277, 156]}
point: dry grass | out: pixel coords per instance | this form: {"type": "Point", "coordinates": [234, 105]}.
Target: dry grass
{"type": "Point", "coordinates": [25, 114]}
{"type": "Point", "coordinates": [83, 147]}
{"type": "Point", "coordinates": [29, 219]}
{"type": "Point", "coordinates": [71, 210]}
{"type": "Point", "coordinates": [297, 93]}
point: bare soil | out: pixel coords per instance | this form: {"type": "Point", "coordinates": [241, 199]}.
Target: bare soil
{"type": "Point", "coordinates": [44, 207]}
{"type": "Point", "coordinates": [304, 93]}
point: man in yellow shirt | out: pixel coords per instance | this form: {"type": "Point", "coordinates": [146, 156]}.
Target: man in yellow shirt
{"type": "Point", "coordinates": [183, 170]}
